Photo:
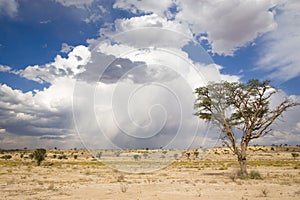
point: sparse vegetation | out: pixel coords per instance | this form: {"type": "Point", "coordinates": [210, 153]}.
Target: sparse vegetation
{"type": "Point", "coordinates": [214, 170]}
{"type": "Point", "coordinates": [62, 157]}
{"type": "Point", "coordinates": [39, 155]}
{"type": "Point", "coordinates": [6, 157]}
{"type": "Point", "coordinates": [123, 187]}
{"type": "Point", "coordinates": [136, 157]}
{"type": "Point", "coordinates": [295, 155]}
{"type": "Point", "coordinates": [264, 192]}
{"type": "Point", "coordinates": [255, 175]}
{"type": "Point", "coordinates": [99, 155]}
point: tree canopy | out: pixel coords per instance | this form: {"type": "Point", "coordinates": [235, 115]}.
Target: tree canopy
{"type": "Point", "coordinates": [240, 108]}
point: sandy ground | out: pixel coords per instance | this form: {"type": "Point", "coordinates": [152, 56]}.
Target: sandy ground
{"type": "Point", "coordinates": [213, 177]}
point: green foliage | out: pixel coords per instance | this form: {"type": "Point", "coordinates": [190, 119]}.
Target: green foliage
{"type": "Point", "coordinates": [39, 155]}
{"type": "Point", "coordinates": [255, 175]}
{"type": "Point", "coordinates": [242, 107]}
{"type": "Point", "coordinates": [295, 155]}
{"type": "Point", "coordinates": [62, 157]}
{"type": "Point", "coordinates": [136, 157]}
{"type": "Point", "coordinates": [6, 157]}
{"type": "Point", "coordinates": [246, 100]}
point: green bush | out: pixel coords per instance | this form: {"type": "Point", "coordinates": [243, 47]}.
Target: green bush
{"type": "Point", "coordinates": [295, 155]}
{"type": "Point", "coordinates": [62, 157]}
{"type": "Point", "coordinates": [255, 175]}
{"type": "Point", "coordinates": [39, 155]}
{"type": "Point", "coordinates": [6, 157]}
{"type": "Point", "coordinates": [136, 157]}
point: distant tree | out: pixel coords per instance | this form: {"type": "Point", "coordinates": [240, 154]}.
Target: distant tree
{"type": "Point", "coordinates": [39, 155]}
{"type": "Point", "coordinates": [241, 112]}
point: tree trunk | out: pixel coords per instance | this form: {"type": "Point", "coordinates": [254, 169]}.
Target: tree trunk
{"type": "Point", "coordinates": [242, 159]}
{"type": "Point", "coordinates": [243, 167]}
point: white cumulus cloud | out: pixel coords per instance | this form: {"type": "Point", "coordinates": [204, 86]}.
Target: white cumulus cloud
{"type": "Point", "coordinates": [279, 55]}
{"type": "Point", "coordinates": [229, 25]}
{"type": "Point", "coordinates": [9, 8]}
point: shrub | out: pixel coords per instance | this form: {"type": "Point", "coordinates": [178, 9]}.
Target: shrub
{"type": "Point", "coordinates": [136, 157]}
{"type": "Point", "coordinates": [39, 155]}
{"type": "Point", "coordinates": [62, 157]}
{"type": "Point", "coordinates": [145, 155]}
{"type": "Point", "coordinates": [272, 149]}
{"type": "Point", "coordinates": [98, 155]}
{"type": "Point", "coordinates": [6, 157]}
{"type": "Point", "coordinates": [175, 156]}
{"type": "Point", "coordinates": [255, 175]}
{"type": "Point", "coordinates": [295, 155]}
{"type": "Point", "coordinates": [75, 156]}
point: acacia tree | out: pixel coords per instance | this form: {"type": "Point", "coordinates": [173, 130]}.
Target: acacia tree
{"type": "Point", "coordinates": [241, 111]}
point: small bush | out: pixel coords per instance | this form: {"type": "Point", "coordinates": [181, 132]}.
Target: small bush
{"type": "Point", "coordinates": [136, 157]}
{"type": "Point", "coordinates": [255, 175]}
{"type": "Point", "coordinates": [75, 157]}
{"type": "Point", "coordinates": [39, 155]}
{"type": "Point", "coordinates": [295, 155]}
{"type": "Point", "coordinates": [99, 155]}
{"type": "Point", "coordinates": [175, 156]}
{"type": "Point", "coordinates": [6, 157]}
{"type": "Point", "coordinates": [62, 157]}
{"type": "Point", "coordinates": [272, 149]}
{"type": "Point", "coordinates": [123, 187]}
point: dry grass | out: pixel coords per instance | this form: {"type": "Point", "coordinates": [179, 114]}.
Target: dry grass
{"type": "Point", "coordinates": [84, 178]}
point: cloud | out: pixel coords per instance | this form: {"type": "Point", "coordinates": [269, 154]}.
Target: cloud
{"type": "Point", "coordinates": [9, 8]}
{"type": "Point", "coordinates": [137, 6]}
{"type": "Point", "coordinates": [61, 67]}
{"type": "Point", "coordinates": [4, 68]}
{"type": "Point", "coordinates": [279, 56]}
{"type": "Point", "coordinates": [229, 25]}
{"type": "Point", "coordinates": [150, 30]}
{"type": "Point", "coordinates": [46, 112]}
{"type": "Point", "coordinates": [65, 48]}
{"type": "Point", "coordinates": [140, 98]}
{"type": "Point", "coordinates": [76, 3]}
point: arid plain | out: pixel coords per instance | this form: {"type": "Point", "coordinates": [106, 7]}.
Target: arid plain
{"type": "Point", "coordinates": [210, 174]}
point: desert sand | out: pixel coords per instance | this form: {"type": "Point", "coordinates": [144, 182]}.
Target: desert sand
{"type": "Point", "coordinates": [77, 174]}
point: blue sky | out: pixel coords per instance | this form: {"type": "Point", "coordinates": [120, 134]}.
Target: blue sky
{"type": "Point", "coordinates": [46, 49]}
